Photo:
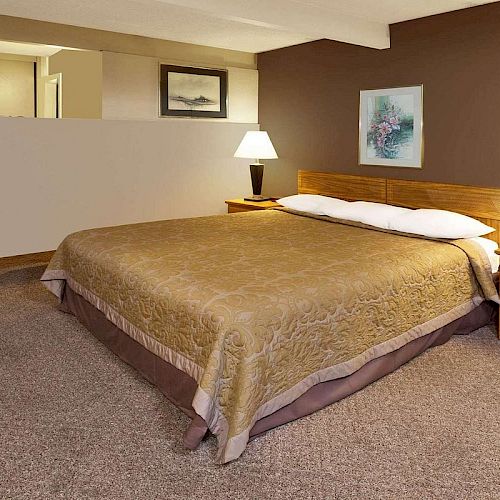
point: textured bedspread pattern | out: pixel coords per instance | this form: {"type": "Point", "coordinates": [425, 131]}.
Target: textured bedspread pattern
{"type": "Point", "coordinates": [258, 307]}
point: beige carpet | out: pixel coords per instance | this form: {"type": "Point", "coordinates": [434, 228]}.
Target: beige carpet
{"type": "Point", "coordinates": [76, 422]}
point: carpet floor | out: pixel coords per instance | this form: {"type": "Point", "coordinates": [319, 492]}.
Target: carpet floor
{"type": "Point", "coordinates": [76, 422]}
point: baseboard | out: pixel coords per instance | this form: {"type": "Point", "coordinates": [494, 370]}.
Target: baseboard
{"type": "Point", "coordinates": [30, 259]}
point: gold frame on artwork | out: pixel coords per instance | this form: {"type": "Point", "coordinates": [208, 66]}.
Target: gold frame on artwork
{"type": "Point", "coordinates": [418, 159]}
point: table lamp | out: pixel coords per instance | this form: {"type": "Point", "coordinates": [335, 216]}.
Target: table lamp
{"type": "Point", "coordinates": [256, 145]}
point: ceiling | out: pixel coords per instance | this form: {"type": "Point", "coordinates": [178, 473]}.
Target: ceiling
{"type": "Point", "coordinates": [246, 25]}
{"type": "Point", "coordinates": [28, 49]}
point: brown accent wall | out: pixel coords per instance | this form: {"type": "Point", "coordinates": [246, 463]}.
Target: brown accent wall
{"type": "Point", "coordinates": [309, 99]}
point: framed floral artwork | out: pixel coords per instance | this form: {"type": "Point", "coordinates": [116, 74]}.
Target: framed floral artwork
{"type": "Point", "coordinates": [391, 127]}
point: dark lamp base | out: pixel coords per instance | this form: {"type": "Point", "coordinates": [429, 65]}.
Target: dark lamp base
{"type": "Point", "coordinates": [257, 198]}
{"type": "Point", "coordinates": [257, 171]}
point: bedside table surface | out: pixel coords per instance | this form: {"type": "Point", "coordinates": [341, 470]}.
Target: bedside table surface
{"type": "Point", "coordinates": [256, 204]}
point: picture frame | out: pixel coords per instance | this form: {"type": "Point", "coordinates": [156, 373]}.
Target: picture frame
{"type": "Point", "coordinates": [193, 92]}
{"type": "Point", "coordinates": [391, 127]}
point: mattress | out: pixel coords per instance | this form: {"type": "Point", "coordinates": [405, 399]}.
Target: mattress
{"type": "Point", "coordinates": [258, 308]}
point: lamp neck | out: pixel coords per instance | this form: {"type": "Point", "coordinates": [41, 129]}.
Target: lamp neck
{"type": "Point", "coordinates": [256, 162]}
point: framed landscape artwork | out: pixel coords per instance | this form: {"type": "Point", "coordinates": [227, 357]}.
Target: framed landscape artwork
{"type": "Point", "coordinates": [391, 127]}
{"type": "Point", "coordinates": [193, 92]}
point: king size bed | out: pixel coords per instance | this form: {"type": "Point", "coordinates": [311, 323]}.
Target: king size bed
{"type": "Point", "coordinates": [251, 320]}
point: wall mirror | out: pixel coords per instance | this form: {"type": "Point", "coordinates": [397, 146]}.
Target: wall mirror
{"type": "Point", "coordinates": [48, 81]}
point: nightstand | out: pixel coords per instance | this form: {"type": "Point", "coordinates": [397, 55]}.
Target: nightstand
{"type": "Point", "coordinates": [241, 205]}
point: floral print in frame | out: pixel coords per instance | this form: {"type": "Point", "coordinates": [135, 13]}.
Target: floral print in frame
{"type": "Point", "coordinates": [391, 127]}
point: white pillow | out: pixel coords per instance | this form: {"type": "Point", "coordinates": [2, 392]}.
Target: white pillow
{"type": "Point", "coordinates": [328, 204]}
{"type": "Point", "coordinates": [489, 246]}
{"type": "Point", "coordinates": [373, 214]}
{"type": "Point", "coordinates": [312, 203]}
{"type": "Point", "coordinates": [439, 224]}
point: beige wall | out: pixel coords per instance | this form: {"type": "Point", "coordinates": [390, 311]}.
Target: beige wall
{"type": "Point", "coordinates": [81, 82]}
{"type": "Point", "coordinates": [65, 175]}
{"type": "Point", "coordinates": [17, 87]}
{"type": "Point", "coordinates": [61, 176]}
{"type": "Point", "coordinates": [243, 91]}
{"type": "Point", "coordinates": [27, 30]}
{"type": "Point", "coordinates": [130, 89]}
{"type": "Point", "coordinates": [18, 57]}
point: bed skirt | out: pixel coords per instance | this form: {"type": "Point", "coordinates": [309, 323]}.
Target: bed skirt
{"type": "Point", "coordinates": [180, 388]}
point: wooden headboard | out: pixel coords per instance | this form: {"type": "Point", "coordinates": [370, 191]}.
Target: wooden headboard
{"type": "Point", "coordinates": [347, 187]}
{"type": "Point", "coordinates": [478, 202]}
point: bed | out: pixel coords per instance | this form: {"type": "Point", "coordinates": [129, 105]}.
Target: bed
{"type": "Point", "coordinates": [248, 321]}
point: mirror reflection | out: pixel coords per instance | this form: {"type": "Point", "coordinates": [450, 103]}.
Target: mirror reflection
{"type": "Point", "coordinates": [48, 81]}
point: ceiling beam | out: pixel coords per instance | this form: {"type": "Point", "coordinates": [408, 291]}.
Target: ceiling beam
{"type": "Point", "coordinates": [293, 16]}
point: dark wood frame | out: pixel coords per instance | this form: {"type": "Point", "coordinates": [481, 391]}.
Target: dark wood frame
{"type": "Point", "coordinates": [165, 69]}
{"type": "Point", "coordinates": [35, 96]}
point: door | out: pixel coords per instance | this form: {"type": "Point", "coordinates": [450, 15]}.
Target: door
{"type": "Point", "coordinates": [50, 96]}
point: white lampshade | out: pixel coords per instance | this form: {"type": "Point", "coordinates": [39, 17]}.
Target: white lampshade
{"type": "Point", "coordinates": [256, 145]}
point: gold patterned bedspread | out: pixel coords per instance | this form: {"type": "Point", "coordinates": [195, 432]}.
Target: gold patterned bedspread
{"type": "Point", "coordinates": [260, 306]}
